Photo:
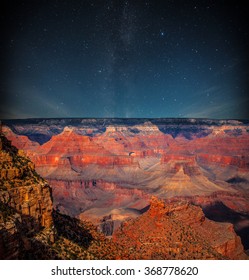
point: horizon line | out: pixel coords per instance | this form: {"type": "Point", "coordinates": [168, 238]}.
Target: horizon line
{"type": "Point", "coordinates": [124, 118]}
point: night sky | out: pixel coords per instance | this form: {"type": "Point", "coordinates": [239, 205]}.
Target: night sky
{"type": "Point", "coordinates": [124, 59]}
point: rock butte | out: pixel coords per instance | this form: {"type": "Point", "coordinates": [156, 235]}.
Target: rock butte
{"type": "Point", "coordinates": [29, 229]}
{"type": "Point", "coordinates": [107, 170]}
{"type": "Point", "coordinates": [178, 230]}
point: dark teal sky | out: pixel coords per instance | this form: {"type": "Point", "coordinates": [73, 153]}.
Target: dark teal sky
{"type": "Point", "coordinates": [124, 59]}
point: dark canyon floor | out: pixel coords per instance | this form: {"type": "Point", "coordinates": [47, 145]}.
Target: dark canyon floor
{"type": "Point", "coordinates": [154, 187]}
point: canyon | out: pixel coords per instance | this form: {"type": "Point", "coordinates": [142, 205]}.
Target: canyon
{"type": "Point", "coordinates": [107, 170]}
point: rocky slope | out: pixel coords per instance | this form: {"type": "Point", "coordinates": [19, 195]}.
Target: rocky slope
{"type": "Point", "coordinates": [106, 169]}
{"type": "Point", "coordinates": [30, 229]}
{"type": "Point", "coordinates": [178, 231]}
{"type": "Point", "coordinates": [25, 202]}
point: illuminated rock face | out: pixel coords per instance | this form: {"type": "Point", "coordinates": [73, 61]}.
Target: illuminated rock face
{"type": "Point", "coordinates": [25, 203]}
{"type": "Point", "coordinates": [110, 168]}
{"type": "Point", "coordinates": [178, 231]}
{"type": "Point", "coordinates": [22, 188]}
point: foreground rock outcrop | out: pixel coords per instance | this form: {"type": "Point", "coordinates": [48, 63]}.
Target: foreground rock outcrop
{"type": "Point", "coordinates": [178, 231]}
{"type": "Point", "coordinates": [25, 203]}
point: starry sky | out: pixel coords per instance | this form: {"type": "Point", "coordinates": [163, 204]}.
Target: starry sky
{"type": "Point", "coordinates": [114, 58]}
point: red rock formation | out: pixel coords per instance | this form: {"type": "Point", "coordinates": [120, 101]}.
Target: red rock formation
{"type": "Point", "coordinates": [20, 141]}
{"type": "Point", "coordinates": [79, 197]}
{"type": "Point", "coordinates": [238, 161]}
{"type": "Point", "coordinates": [233, 200]}
{"type": "Point", "coordinates": [25, 202]}
{"type": "Point", "coordinates": [178, 231]}
{"type": "Point", "coordinates": [187, 160]}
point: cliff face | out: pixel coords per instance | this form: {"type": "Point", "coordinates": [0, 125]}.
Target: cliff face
{"type": "Point", "coordinates": [26, 203]}
{"type": "Point", "coordinates": [220, 236]}
{"type": "Point", "coordinates": [29, 229]}
{"type": "Point", "coordinates": [10, 241]}
{"type": "Point", "coordinates": [178, 231]}
{"type": "Point", "coordinates": [214, 151]}
{"type": "Point", "coordinates": [104, 203]}
{"type": "Point", "coordinates": [105, 170]}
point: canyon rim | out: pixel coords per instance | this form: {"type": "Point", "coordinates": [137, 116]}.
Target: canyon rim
{"type": "Point", "coordinates": [145, 188]}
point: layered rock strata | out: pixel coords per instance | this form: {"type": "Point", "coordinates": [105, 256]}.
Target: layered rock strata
{"type": "Point", "coordinates": [178, 231]}
{"type": "Point", "coordinates": [202, 161]}
{"type": "Point", "coordinates": [26, 203]}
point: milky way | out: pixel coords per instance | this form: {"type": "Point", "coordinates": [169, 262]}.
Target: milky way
{"type": "Point", "coordinates": [124, 59]}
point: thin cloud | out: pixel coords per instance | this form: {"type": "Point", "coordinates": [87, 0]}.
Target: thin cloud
{"type": "Point", "coordinates": [216, 111]}
{"type": "Point", "coordinates": [41, 106]}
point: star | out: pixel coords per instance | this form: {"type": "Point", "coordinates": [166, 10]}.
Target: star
{"type": "Point", "coordinates": [125, 55]}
